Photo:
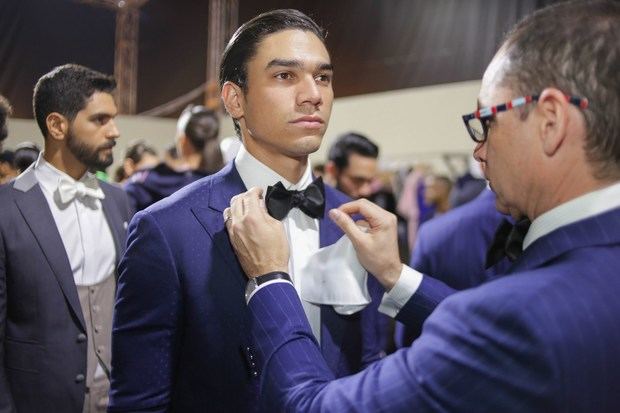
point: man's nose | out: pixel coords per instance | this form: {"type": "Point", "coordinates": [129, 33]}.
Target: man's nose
{"type": "Point", "coordinates": [309, 92]}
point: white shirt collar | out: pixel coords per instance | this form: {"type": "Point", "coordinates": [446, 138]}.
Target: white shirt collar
{"type": "Point", "coordinates": [585, 206]}
{"type": "Point", "coordinates": [49, 176]}
{"type": "Point", "coordinates": [254, 173]}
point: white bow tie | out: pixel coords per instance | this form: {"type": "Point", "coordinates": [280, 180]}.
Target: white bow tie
{"type": "Point", "coordinates": [69, 190]}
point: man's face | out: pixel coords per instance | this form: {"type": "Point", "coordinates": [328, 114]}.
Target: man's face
{"type": "Point", "coordinates": [356, 178]}
{"type": "Point", "coordinates": [435, 191]}
{"type": "Point", "coordinates": [508, 156]}
{"type": "Point", "coordinates": [93, 133]}
{"type": "Point", "coordinates": [289, 95]}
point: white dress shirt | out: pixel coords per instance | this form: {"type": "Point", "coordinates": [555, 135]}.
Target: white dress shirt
{"type": "Point", "coordinates": [83, 228]}
{"type": "Point", "coordinates": [299, 227]}
{"type": "Point", "coordinates": [582, 207]}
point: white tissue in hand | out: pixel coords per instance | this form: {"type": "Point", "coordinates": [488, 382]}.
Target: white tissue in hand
{"type": "Point", "coordinates": [334, 276]}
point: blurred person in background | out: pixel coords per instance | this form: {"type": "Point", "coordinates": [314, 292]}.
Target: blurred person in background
{"type": "Point", "coordinates": [139, 156]}
{"type": "Point", "coordinates": [352, 165]}
{"type": "Point", "coordinates": [5, 112]}
{"type": "Point", "coordinates": [26, 153]}
{"type": "Point", "coordinates": [437, 193]}
{"type": "Point", "coordinates": [7, 166]}
{"type": "Point", "coordinates": [199, 155]}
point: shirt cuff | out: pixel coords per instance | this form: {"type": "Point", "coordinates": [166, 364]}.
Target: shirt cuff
{"type": "Point", "coordinates": [403, 290]}
{"type": "Point", "coordinates": [263, 285]}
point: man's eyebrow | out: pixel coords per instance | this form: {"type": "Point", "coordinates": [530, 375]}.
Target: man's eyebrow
{"type": "Point", "coordinates": [297, 64]}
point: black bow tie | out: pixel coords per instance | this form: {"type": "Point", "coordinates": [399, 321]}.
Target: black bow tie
{"type": "Point", "coordinates": [311, 200]}
{"type": "Point", "coordinates": [508, 241]}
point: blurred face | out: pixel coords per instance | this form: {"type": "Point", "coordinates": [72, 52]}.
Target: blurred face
{"type": "Point", "coordinates": [288, 102]}
{"type": "Point", "coordinates": [507, 156]}
{"type": "Point", "coordinates": [356, 178]}
{"type": "Point", "coordinates": [435, 191]}
{"type": "Point", "coordinates": [93, 133]}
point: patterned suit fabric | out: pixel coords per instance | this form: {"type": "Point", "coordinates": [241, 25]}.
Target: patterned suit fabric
{"type": "Point", "coordinates": [181, 339]}
{"type": "Point", "coordinates": [42, 328]}
{"type": "Point", "coordinates": [543, 338]}
{"type": "Point", "coordinates": [452, 249]}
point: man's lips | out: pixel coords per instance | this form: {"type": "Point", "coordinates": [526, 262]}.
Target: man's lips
{"type": "Point", "coordinates": [310, 122]}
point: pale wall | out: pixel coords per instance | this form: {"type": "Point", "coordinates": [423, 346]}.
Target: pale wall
{"type": "Point", "coordinates": [409, 125]}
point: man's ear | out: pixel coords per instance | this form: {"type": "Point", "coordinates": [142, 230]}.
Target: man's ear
{"type": "Point", "coordinates": [554, 110]}
{"type": "Point", "coordinates": [57, 126]}
{"type": "Point", "coordinates": [331, 173]}
{"type": "Point", "coordinates": [232, 96]}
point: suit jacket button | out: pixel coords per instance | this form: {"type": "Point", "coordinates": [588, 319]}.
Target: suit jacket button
{"type": "Point", "coordinates": [81, 338]}
{"type": "Point", "coordinates": [79, 378]}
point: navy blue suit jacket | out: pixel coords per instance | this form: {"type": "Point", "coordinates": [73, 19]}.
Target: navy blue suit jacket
{"type": "Point", "coordinates": [42, 328]}
{"type": "Point", "coordinates": [181, 339]}
{"type": "Point", "coordinates": [544, 338]}
{"type": "Point", "coordinates": [453, 248]}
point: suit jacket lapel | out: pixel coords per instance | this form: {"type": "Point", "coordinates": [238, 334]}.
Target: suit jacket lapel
{"type": "Point", "coordinates": [33, 207]}
{"type": "Point", "coordinates": [329, 232]}
{"type": "Point", "coordinates": [222, 187]}
{"type": "Point", "coordinates": [602, 229]}
{"type": "Point", "coordinates": [331, 322]}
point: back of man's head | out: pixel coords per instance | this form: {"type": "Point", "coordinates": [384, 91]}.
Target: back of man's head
{"type": "Point", "coordinates": [575, 47]}
{"type": "Point", "coordinates": [243, 44]}
{"type": "Point", "coordinates": [66, 90]}
{"type": "Point", "coordinates": [5, 112]}
{"type": "Point", "coordinates": [351, 143]}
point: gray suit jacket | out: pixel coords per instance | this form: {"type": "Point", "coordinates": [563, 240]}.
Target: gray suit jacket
{"type": "Point", "coordinates": [42, 331]}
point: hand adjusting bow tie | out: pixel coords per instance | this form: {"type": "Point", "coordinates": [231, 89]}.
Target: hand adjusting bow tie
{"type": "Point", "coordinates": [69, 190]}
{"type": "Point", "coordinates": [508, 241]}
{"type": "Point", "coordinates": [311, 200]}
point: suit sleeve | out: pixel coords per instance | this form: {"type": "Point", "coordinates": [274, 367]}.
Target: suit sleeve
{"type": "Point", "coordinates": [146, 321]}
{"type": "Point", "coordinates": [470, 358]}
{"type": "Point", "coordinates": [6, 400]}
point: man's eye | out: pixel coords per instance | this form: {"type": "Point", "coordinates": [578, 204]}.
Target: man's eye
{"type": "Point", "coordinates": [324, 78]}
{"type": "Point", "coordinates": [284, 76]}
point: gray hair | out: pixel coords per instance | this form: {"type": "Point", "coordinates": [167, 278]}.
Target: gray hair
{"type": "Point", "coordinates": [575, 47]}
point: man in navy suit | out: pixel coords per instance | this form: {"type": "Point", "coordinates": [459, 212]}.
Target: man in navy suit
{"type": "Point", "coordinates": [181, 338]}
{"type": "Point", "coordinates": [545, 336]}
{"type": "Point", "coordinates": [62, 233]}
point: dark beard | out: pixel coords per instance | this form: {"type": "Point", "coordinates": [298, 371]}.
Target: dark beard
{"type": "Point", "coordinates": [88, 155]}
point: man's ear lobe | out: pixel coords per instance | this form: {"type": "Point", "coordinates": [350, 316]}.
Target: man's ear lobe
{"type": "Point", "coordinates": [232, 96]}
{"type": "Point", "coordinates": [57, 126]}
{"type": "Point", "coordinates": [554, 111]}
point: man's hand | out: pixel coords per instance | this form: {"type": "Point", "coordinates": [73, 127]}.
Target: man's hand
{"type": "Point", "coordinates": [258, 239]}
{"type": "Point", "coordinates": [377, 245]}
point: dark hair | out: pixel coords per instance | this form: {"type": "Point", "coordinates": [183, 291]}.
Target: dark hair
{"type": "Point", "coordinates": [243, 44]}
{"type": "Point", "coordinates": [25, 154]}
{"type": "Point", "coordinates": [137, 149]}
{"type": "Point", "coordinates": [7, 156]}
{"type": "Point", "coordinates": [66, 90]}
{"type": "Point", "coordinates": [5, 112]}
{"type": "Point", "coordinates": [202, 127]}
{"type": "Point", "coordinates": [348, 144]}
{"type": "Point", "coordinates": [575, 47]}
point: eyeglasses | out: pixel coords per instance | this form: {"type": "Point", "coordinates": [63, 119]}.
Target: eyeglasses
{"type": "Point", "coordinates": [477, 123]}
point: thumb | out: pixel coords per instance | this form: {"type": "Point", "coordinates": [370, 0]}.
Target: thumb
{"type": "Point", "coordinates": [346, 224]}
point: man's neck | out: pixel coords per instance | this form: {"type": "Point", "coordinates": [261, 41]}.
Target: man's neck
{"type": "Point", "coordinates": [65, 162]}
{"type": "Point", "coordinates": [290, 168]}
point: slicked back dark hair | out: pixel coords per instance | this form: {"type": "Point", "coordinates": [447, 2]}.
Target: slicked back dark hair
{"type": "Point", "coordinates": [5, 112]}
{"type": "Point", "coordinates": [351, 143]}
{"type": "Point", "coordinates": [66, 90]}
{"type": "Point", "coordinates": [575, 47]}
{"type": "Point", "coordinates": [243, 44]}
